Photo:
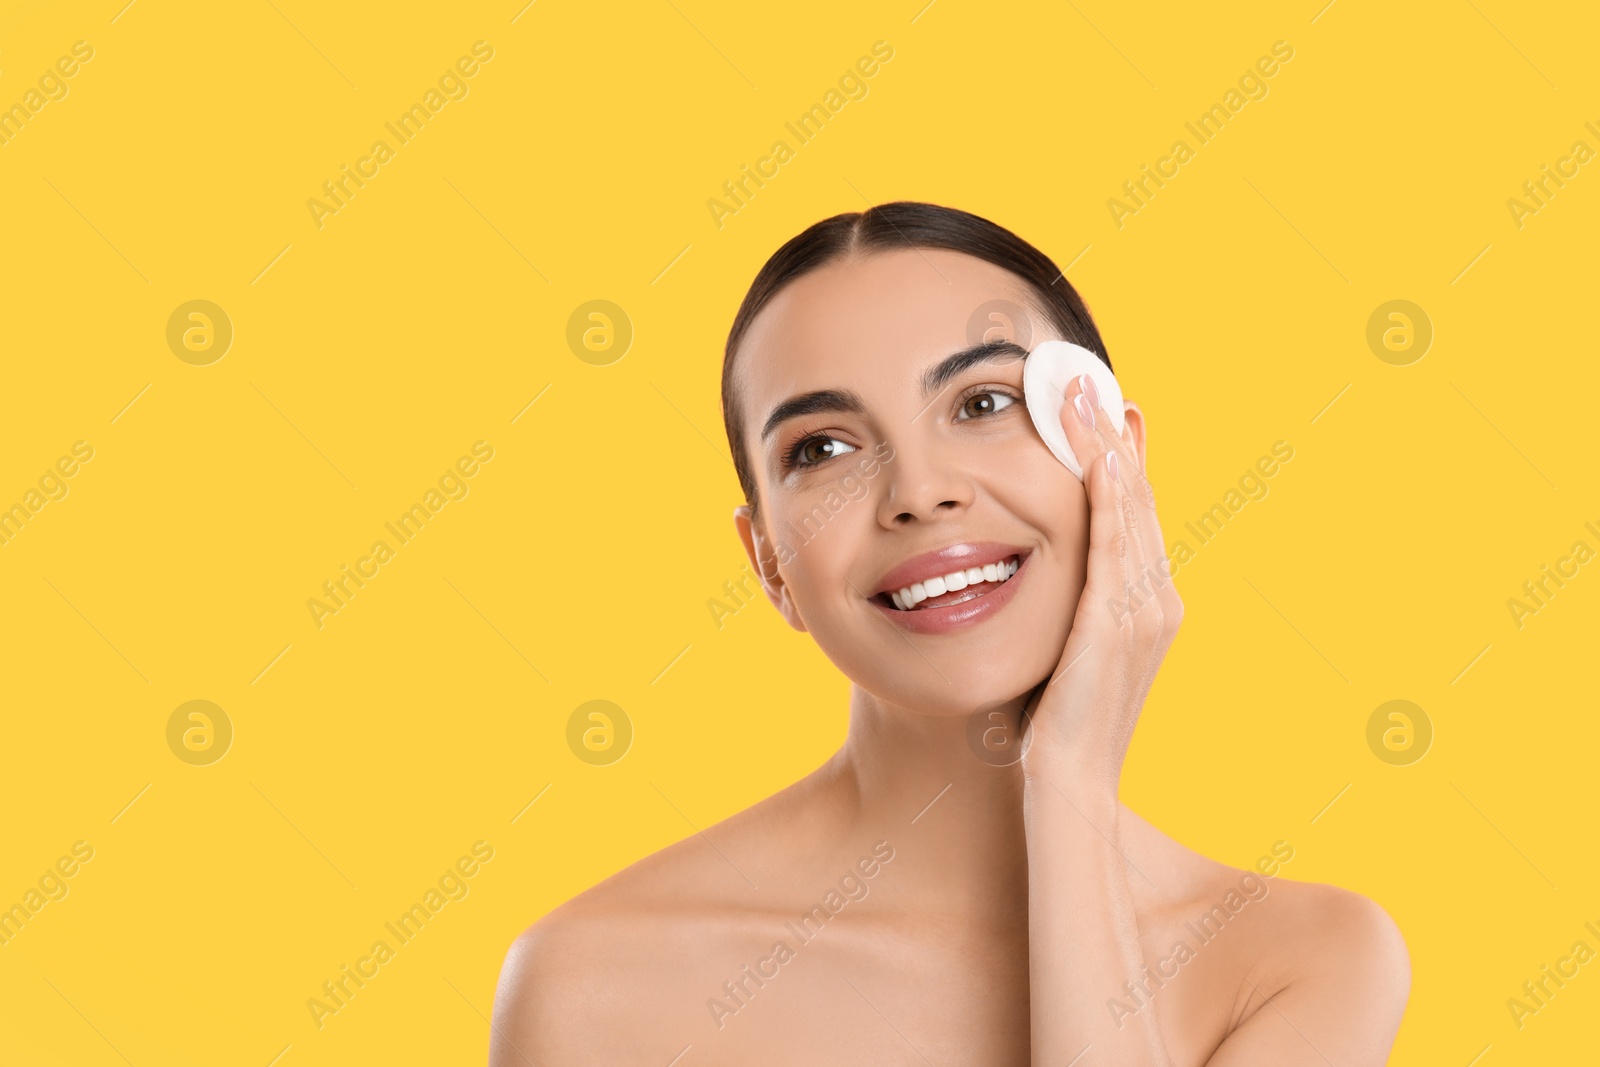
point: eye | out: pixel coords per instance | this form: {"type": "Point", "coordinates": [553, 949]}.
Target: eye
{"type": "Point", "coordinates": [816, 448]}
{"type": "Point", "coordinates": [986, 402]}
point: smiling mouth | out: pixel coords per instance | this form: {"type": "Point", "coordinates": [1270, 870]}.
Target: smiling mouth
{"type": "Point", "coordinates": [947, 590]}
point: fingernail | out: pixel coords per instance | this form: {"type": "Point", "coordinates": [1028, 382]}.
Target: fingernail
{"type": "Point", "coordinates": [1111, 464]}
{"type": "Point", "coordinates": [1085, 412]}
{"type": "Point", "coordinates": [1094, 394]}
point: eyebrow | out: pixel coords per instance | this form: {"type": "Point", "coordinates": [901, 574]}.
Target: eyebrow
{"type": "Point", "coordinates": [935, 378]}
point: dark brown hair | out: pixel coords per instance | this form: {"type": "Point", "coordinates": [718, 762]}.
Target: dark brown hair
{"type": "Point", "coordinates": [886, 227]}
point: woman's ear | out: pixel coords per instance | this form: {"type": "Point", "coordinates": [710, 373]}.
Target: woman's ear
{"type": "Point", "coordinates": [764, 559]}
{"type": "Point", "coordinates": [1133, 430]}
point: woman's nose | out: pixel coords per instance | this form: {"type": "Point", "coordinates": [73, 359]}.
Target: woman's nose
{"type": "Point", "coordinates": [921, 485]}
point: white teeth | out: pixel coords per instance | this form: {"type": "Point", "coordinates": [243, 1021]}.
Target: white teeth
{"type": "Point", "coordinates": [908, 598]}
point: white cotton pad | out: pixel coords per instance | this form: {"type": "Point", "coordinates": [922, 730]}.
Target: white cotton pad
{"type": "Point", "coordinates": [1046, 374]}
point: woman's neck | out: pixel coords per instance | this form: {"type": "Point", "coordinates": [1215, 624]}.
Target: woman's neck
{"type": "Point", "coordinates": [950, 807]}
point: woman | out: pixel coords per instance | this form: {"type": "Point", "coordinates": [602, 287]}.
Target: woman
{"type": "Point", "coordinates": [959, 883]}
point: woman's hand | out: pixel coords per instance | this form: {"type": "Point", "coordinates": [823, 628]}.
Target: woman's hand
{"type": "Point", "coordinates": [1079, 723]}
{"type": "Point", "coordinates": [1083, 930]}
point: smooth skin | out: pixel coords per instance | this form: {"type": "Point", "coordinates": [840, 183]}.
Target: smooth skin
{"type": "Point", "coordinates": [1024, 915]}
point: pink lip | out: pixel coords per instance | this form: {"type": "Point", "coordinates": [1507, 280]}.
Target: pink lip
{"type": "Point", "coordinates": [944, 561]}
{"type": "Point", "coordinates": [956, 616]}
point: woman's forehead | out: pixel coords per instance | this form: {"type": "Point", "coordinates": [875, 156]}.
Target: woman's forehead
{"type": "Point", "coordinates": [880, 316]}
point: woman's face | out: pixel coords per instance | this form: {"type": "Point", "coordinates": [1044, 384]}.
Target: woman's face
{"type": "Point", "coordinates": [874, 477]}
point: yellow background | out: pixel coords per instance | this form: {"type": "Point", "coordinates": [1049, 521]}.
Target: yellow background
{"type": "Point", "coordinates": [370, 353]}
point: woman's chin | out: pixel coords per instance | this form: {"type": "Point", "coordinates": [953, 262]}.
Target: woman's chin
{"type": "Point", "coordinates": [956, 698]}
{"type": "Point", "coordinates": [963, 677]}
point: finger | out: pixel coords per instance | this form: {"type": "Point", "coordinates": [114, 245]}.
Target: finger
{"type": "Point", "coordinates": [1105, 424]}
{"type": "Point", "coordinates": [1147, 604]}
{"type": "Point", "coordinates": [1089, 433]}
{"type": "Point", "coordinates": [1095, 674]}
{"type": "Point", "coordinates": [1112, 543]}
{"type": "Point", "coordinates": [1145, 594]}
{"type": "Point", "coordinates": [1087, 430]}
{"type": "Point", "coordinates": [1140, 489]}
{"type": "Point", "coordinates": [1083, 424]}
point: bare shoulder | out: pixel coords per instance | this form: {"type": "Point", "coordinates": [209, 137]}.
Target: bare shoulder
{"type": "Point", "coordinates": [1296, 971]}
{"type": "Point", "coordinates": [1338, 922]}
{"type": "Point", "coordinates": [1335, 937]}
{"type": "Point", "coordinates": [576, 984]}
{"type": "Point", "coordinates": [1331, 978]}
{"type": "Point", "coordinates": [1299, 929]}
{"type": "Point", "coordinates": [618, 972]}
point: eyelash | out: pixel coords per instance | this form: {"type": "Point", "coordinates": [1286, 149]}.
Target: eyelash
{"type": "Point", "coordinates": [791, 459]}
